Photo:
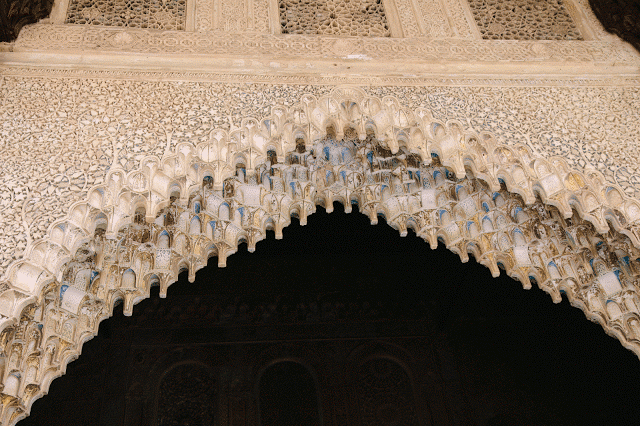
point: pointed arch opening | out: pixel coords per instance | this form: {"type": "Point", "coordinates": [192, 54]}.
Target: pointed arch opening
{"type": "Point", "coordinates": [498, 333]}
{"type": "Point", "coordinates": [436, 182]}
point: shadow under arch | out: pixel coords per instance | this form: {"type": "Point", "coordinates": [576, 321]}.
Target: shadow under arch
{"type": "Point", "coordinates": [473, 279]}
{"type": "Point", "coordinates": [287, 392]}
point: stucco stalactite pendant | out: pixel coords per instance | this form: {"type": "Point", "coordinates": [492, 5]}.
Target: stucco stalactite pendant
{"type": "Point", "coordinates": [538, 220]}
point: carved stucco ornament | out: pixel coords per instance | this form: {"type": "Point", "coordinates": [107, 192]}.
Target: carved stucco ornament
{"type": "Point", "coordinates": [566, 230]}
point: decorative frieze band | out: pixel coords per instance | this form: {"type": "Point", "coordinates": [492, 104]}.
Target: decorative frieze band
{"type": "Point", "coordinates": [81, 38]}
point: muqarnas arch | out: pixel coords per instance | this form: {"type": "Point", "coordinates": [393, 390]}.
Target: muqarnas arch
{"type": "Point", "coordinates": [566, 231]}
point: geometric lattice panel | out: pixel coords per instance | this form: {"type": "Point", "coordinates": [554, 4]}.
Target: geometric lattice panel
{"type": "Point", "coordinates": [524, 20]}
{"type": "Point", "coordinates": [152, 14]}
{"type": "Point", "coordinates": [334, 17]}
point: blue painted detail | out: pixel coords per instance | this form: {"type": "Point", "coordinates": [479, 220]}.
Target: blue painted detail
{"type": "Point", "coordinates": [293, 186]}
{"type": "Point", "coordinates": [327, 153]}
{"type": "Point", "coordinates": [94, 274]}
{"type": "Point", "coordinates": [625, 260]}
{"type": "Point", "coordinates": [434, 155]}
{"type": "Point", "coordinates": [370, 157]}
{"type": "Point", "coordinates": [436, 173]}
{"type": "Point", "coordinates": [501, 180]}
{"type": "Point", "coordinates": [197, 208]}
{"type": "Point", "coordinates": [63, 289]}
{"type": "Point", "coordinates": [344, 175]}
{"type": "Point", "coordinates": [469, 224]}
{"type": "Point", "coordinates": [458, 188]}
{"type": "Point", "coordinates": [328, 173]}
{"type": "Point", "coordinates": [485, 206]}
{"type": "Point", "coordinates": [495, 195]}
{"type": "Point", "coordinates": [241, 211]}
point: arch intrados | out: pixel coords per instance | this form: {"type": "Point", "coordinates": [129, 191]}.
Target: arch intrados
{"type": "Point", "coordinates": [386, 118]}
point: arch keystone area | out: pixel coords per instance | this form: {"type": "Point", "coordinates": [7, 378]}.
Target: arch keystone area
{"type": "Point", "coordinates": [537, 219]}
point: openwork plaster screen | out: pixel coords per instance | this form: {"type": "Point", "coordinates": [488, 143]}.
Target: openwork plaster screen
{"type": "Point", "coordinates": [524, 20]}
{"type": "Point", "coordinates": [151, 14]}
{"type": "Point", "coordinates": [334, 17]}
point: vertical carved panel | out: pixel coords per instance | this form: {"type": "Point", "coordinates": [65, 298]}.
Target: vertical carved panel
{"type": "Point", "coordinates": [462, 24]}
{"type": "Point", "coordinates": [385, 396]}
{"type": "Point", "coordinates": [408, 18]}
{"type": "Point", "coordinates": [434, 19]}
{"type": "Point", "coordinates": [232, 15]}
{"type": "Point", "coordinates": [261, 16]}
{"type": "Point", "coordinates": [204, 15]}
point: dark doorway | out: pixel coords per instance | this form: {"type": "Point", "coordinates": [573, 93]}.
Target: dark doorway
{"type": "Point", "coordinates": [288, 396]}
{"type": "Point", "coordinates": [483, 350]}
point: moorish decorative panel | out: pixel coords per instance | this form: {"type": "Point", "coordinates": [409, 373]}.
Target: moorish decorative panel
{"type": "Point", "coordinates": [524, 20]}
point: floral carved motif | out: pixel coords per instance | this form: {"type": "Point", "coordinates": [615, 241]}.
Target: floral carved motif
{"type": "Point", "coordinates": [199, 197]}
